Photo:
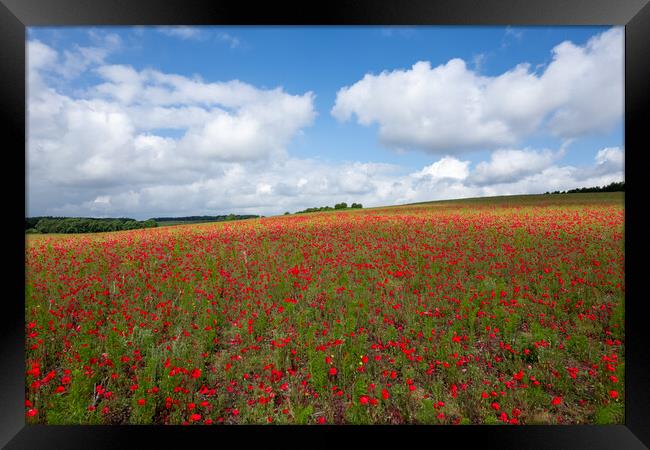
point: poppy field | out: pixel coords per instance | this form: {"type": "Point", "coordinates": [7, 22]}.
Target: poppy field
{"type": "Point", "coordinates": [486, 311]}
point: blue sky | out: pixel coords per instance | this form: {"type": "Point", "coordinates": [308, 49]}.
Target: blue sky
{"type": "Point", "coordinates": [357, 121]}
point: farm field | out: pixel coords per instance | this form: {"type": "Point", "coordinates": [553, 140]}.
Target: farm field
{"type": "Point", "coordinates": [505, 310]}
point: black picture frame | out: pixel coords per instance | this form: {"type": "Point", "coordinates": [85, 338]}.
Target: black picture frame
{"type": "Point", "coordinates": [16, 15]}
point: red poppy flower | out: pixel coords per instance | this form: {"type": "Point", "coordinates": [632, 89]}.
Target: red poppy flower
{"type": "Point", "coordinates": [333, 371]}
{"type": "Point", "coordinates": [364, 399]}
{"type": "Point", "coordinates": [556, 400]}
{"type": "Point", "coordinates": [613, 394]}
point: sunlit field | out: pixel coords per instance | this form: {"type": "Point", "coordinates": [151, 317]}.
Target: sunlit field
{"type": "Point", "coordinates": [487, 311]}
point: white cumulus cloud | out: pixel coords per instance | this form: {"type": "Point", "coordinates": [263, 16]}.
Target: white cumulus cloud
{"type": "Point", "coordinates": [451, 108]}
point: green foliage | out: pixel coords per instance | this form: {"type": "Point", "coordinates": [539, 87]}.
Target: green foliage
{"type": "Point", "coordinates": [303, 415]}
{"type": "Point", "coordinates": [337, 207]}
{"type": "Point", "coordinates": [83, 224]}
{"type": "Point", "coordinates": [612, 187]}
{"type": "Point", "coordinates": [610, 414]}
{"type": "Point", "coordinates": [198, 219]}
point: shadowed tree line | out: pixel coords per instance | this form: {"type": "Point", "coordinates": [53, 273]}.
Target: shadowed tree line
{"type": "Point", "coordinates": [338, 206]}
{"type": "Point", "coordinates": [83, 224]}
{"type": "Point", "coordinates": [206, 218]}
{"type": "Point", "coordinates": [49, 224]}
{"type": "Point", "coordinates": [612, 187]}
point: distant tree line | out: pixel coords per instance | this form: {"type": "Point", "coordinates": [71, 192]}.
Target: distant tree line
{"type": "Point", "coordinates": [341, 205]}
{"type": "Point", "coordinates": [612, 187]}
{"type": "Point", "coordinates": [83, 224]}
{"type": "Point", "coordinates": [206, 218]}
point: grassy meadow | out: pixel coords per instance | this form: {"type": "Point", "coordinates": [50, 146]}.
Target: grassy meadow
{"type": "Point", "coordinates": [505, 310]}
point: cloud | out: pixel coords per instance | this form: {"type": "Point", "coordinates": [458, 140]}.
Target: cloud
{"type": "Point", "coordinates": [291, 184]}
{"type": "Point", "coordinates": [450, 109]}
{"type": "Point", "coordinates": [71, 62]}
{"type": "Point", "coordinates": [146, 143]}
{"type": "Point", "coordinates": [610, 156]}
{"type": "Point", "coordinates": [117, 134]}
{"type": "Point", "coordinates": [183, 32]}
{"type": "Point", "coordinates": [231, 40]}
{"type": "Point", "coordinates": [509, 35]}
{"type": "Point", "coordinates": [508, 165]}
{"type": "Point", "coordinates": [447, 168]}
{"type": "Point", "coordinates": [188, 33]}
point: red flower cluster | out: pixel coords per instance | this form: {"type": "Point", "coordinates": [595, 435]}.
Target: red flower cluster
{"type": "Point", "coordinates": [367, 316]}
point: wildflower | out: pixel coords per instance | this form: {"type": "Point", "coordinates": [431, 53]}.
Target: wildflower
{"type": "Point", "coordinates": [556, 400]}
